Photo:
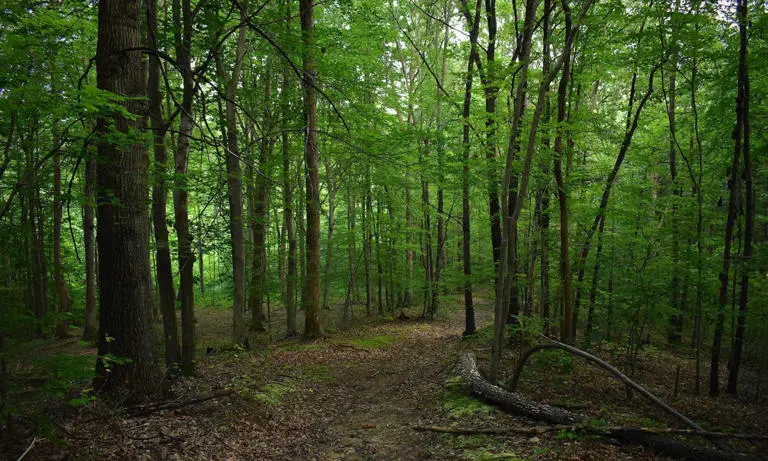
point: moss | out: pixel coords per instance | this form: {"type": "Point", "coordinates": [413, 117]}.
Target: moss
{"type": "Point", "coordinates": [371, 342]}
{"type": "Point", "coordinates": [458, 403]}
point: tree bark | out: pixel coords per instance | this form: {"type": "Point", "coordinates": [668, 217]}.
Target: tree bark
{"type": "Point", "coordinates": [182, 11]}
{"type": "Point", "coordinates": [163, 265]}
{"type": "Point", "coordinates": [290, 276]}
{"type": "Point", "coordinates": [235, 193]}
{"type": "Point", "coordinates": [91, 327]}
{"type": "Point", "coordinates": [473, 23]}
{"type": "Point", "coordinates": [331, 225]}
{"type": "Point", "coordinates": [63, 299]}
{"type": "Point", "coordinates": [313, 327]}
{"type": "Point", "coordinates": [125, 281]}
{"type": "Point", "coordinates": [743, 132]}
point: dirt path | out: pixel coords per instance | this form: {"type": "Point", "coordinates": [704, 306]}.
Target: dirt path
{"type": "Point", "coordinates": [381, 397]}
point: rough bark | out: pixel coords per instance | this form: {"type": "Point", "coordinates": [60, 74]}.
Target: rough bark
{"type": "Point", "coordinates": [125, 280]}
{"type": "Point", "coordinates": [313, 327]}
{"type": "Point", "coordinates": [163, 265]}
{"type": "Point", "coordinates": [235, 194]}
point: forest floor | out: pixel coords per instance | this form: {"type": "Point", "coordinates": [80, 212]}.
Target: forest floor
{"type": "Point", "coordinates": [361, 395]}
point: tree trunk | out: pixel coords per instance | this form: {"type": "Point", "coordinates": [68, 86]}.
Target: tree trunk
{"type": "Point", "coordinates": [632, 122]}
{"type": "Point", "coordinates": [473, 23]}
{"type": "Point", "coordinates": [63, 299]}
{"type": "Point", "coordinates": [259, 203]}
{"type": "Point", "coordinates": [408, 301]}
{"type": "Point", "coordinates": [91, 328]}
{"type": "Point", "coordinates": [491, 89]}
{"type": "Point", "coordinates": [749, 225]}
{"type": "Point", "coordinates": [505, 271]}
{"type": "Point", "coordinates": [588, 336]}
{"type": "Point", "coordinates": [186, 256]}
{"type": "Point", "coordinates": [125, 281]}
{"type": "Point", "coordinates": [331, 225]}
{"type": "Point", "coordinates": [314, 323]}
{"type": "Point", "coordinates": [235, 193]}
{"type": "Point", "coordinates": [163, 265]}
{"type": "Point", "coordinates": [290, 276]}
{"type": "Point", "coordinates": [367, 240]}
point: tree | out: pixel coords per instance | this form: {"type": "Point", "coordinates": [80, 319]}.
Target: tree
{"type": "Point", "coordinates": [127, 353]}
{"type": "Point", "coordinates": [313, 326]}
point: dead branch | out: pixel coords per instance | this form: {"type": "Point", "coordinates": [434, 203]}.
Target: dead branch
{"type": "Point", "coordinates": [160, 406]}
{"type": "Point", "coordinates": [598, 430]}
{"type": "Point", "coordinates": [514, 402]}
{"type": "Point", "coordinates": [606, 366]}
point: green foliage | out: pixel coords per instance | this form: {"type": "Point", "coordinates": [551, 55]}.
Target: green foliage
{"type": "Point", "coordinates": [553, 359]}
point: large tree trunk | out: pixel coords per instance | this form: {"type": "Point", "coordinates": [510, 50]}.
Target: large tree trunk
{"type": "Point", "coordinates": [125, 281]}
{"type": "Point", "coordinates": [163, 266]}
{"type": "Point", "coordinates": [749, 221]}
{"type": "Point", "coordinates": [313, 327]}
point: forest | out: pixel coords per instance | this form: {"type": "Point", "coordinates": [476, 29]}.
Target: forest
{"type": "Point", "coordinates": [383, 229]}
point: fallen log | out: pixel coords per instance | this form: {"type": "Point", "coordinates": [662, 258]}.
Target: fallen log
{"type": "Point", "coordinates": [590, 430]}
{"type": "Point", "coordinates": [516, 403]}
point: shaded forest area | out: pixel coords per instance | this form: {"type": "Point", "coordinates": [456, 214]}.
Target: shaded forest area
{"type": "Point", "coordinates": [310, 230]}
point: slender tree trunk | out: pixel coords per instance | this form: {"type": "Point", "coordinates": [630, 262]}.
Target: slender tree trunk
{"type": "Point", "coordinates": [588, 336]}
{"type": "Point", "coordinates": [290, 276]}
{"type": "Point", "coordinates": [749, 225]}
{"type": "Point", "coordinates": [473, 23]}
{"type": "Point", "coordinates": [505, 271]}
{"type": "Point", "coordinates": [632, 122]}
{"type": "Point", "coordinates": [235, 192]}
{"type": "Point", "coordinates": [491, 89]}
{"type": "Point", "coordinates": [408, 301]}
{"type": "Point", "coordinates": [183, 15]}
{"type": "Point", "coordinates": [675, 331]}
{"type": "Point", "coordinates": [379, 267]}
{"type": "Point", "coordinates": [314, 322]}
{"type": "Point", "coordinates": [331, 225]}
{"type": "Point", "coordinates": [259, 198]}
{"type": "Point", "coordinates": [125, 281]}
{"type": "Point", "coordinates": [542, 194]}
{"type": "Point", "coordinates": [163, 265]}
{"type": "Point", "coordinates": [63, 299]}
{"type": "Point", "coordinates": [367, 240]}
{"type": "Point", "coordinates": [91, 328]}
